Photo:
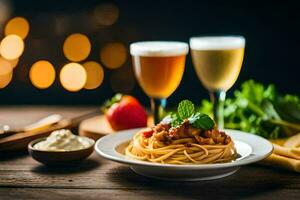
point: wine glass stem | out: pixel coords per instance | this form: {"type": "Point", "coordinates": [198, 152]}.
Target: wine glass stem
{"type": "Point", "coordinates": [158, 108]}
{"type": "Point", "coordinates": [218, 98]}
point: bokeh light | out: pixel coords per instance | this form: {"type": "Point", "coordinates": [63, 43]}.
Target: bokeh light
{"type": "Point", "coordinates": [77, 47]}
{"type": "Point", "coordinates": [106, 14]}
{"type": "Point", "coordinates": [122, 80]}
{"type": "Point", "coordinates": [113, 55]}
{"type": "Point", "coordinates": [17, 26]}
{"type": "Point", "coordinates": [95, 74]}
{"type": "Point", "coordinates": [73, 77]}
{"type": "Point", "coordinates": [6, 73]}
{"type": "Point", "coordinates": [13, 62]}
{"type": "Point", "coordinates": [5, 79]}
{"type": "Point", "coordinates": [11, 47]}
{"type": "Point", "coordinates": [42, 74]}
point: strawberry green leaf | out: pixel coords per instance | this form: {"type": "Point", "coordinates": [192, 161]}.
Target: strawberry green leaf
{"type": "Point", "coordinates": [115, 99]}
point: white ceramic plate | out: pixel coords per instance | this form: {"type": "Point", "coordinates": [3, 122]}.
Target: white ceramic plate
{"type": "Point", "coordinates": [251, 148]}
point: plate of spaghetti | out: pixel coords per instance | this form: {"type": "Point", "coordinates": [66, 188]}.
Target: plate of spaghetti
{"type": "Point", "coordinates": [185, 145]}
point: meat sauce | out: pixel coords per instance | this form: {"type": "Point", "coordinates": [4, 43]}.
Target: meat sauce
{"type": "Point", "coordinates": [165, 133]}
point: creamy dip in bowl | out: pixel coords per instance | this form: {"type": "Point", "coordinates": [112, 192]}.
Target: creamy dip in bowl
{"type": "Point", "coordinates": [61, 148]}
{"type": "Point", "coordinates": [63, 140]}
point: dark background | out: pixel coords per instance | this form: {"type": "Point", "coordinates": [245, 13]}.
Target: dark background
{"type": "Point", "coordinates": [271, 30]}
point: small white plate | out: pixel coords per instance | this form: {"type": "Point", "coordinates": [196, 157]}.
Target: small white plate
{"type": "Point", "coordinates": [251, 148]}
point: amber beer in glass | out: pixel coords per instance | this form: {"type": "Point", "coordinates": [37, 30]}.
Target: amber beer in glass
{"type": "Point", "coordinates": [159, 68]}
{"type": "Point", "coordinates": [217, 62]}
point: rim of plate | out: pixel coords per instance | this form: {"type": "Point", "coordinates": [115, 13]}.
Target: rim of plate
{"type": "Point", "coordinates": [106, 147]}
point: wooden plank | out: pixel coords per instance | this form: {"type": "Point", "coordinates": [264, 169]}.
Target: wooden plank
{"type": "Point", "coordinates": [155, 193]}
{"type": "Point", "coordinates": [95, 127]}
{"type": "Point", "coordinates": [98, 126]}
{"type": "Point", "coordinates": [100, 173]}
{"type": "Point", "coordinates": [19, 116]}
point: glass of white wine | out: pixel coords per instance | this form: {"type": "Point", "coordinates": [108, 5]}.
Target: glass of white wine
{"type": "Point", "coordinates": [217, 61]}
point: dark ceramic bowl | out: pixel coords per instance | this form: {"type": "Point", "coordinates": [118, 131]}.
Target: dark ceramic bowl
{"type": "Point", "coordinates": [59, 157]}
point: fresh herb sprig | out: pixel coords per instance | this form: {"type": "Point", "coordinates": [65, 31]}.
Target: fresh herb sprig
{"type": "Point", "coordinates": [260, 110]}
{"type": "Point", "coordinates": [186, 111]}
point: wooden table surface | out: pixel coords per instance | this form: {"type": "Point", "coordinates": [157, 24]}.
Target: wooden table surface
{"type": "Point", "coordinates": [96, 178]}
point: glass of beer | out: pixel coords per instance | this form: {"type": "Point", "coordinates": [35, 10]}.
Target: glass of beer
{"type": "Point", "coordinates": [158, 67]}
{"type": "Point", "coordinates": [218, 61]}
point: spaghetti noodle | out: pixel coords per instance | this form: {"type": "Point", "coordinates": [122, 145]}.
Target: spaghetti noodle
{"type": "Point", "coordinates": [181, 145]}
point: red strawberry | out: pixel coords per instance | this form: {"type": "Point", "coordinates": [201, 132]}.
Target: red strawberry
{"type": "Point", "coordinates": [125, 112]}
